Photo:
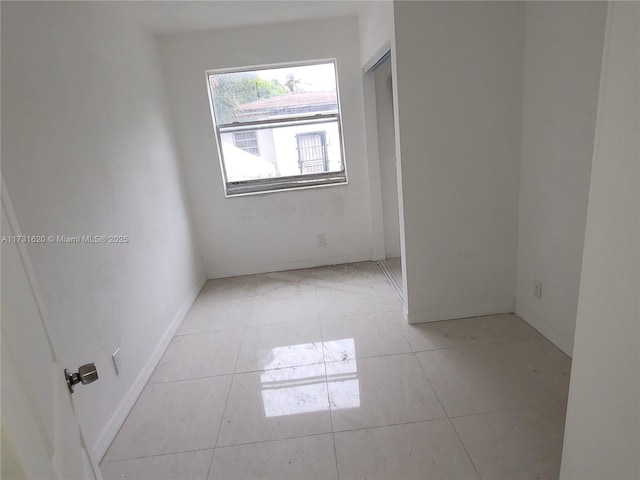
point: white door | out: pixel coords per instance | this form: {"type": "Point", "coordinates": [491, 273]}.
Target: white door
{"type": "Point", "coordinates": [40, 434]}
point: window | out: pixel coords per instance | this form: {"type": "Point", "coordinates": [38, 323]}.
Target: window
{"type": "Point", "coordinates": [277, 127]}
{"type": "Point", "coordinates": [247, 141]}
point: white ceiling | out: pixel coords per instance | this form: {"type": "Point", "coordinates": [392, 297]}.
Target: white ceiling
{"type": "Point", "coordinates": [174, 16]}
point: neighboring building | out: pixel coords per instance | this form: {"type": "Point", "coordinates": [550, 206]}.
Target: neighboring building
{"type": "Point", "coordinates": [292, 149]}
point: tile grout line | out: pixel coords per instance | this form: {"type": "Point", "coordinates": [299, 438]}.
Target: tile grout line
{"type": "Point", "coordinates": [431, 385]}
{"type": "Point", "coordinates": [448, 418]}
{"type": "Point", "coordinates": [326, 378]}
{"type": "Point", "coordinates": [462, 345]}
{"type": "Point", "coordinates": [399, 424]}
{"type": "Point", "coordinates": [359, 429]}
{"type": "Point", "coordinates": [157, 455]}
{"type": "Point", "coordinates": [464, 447]}
{"type": "Point", "coordinates": [335, 451]}
{"type": "Point", "coordinates": [273, 440]}
{"type": "Point", "coordinates": [226, 402]}
{"type": "Point", "coordinates": [205, 332]}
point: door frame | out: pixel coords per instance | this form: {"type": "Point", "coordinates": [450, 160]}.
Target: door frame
{"type": "Point", "coordinates": [373, 153]}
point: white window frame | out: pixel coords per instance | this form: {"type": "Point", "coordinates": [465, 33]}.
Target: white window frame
{"type": "Point", "coordinates": [278, 184]}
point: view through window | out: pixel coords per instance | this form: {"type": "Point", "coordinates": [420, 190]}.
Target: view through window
{"type": "Point", "coordinates": [278, 127]}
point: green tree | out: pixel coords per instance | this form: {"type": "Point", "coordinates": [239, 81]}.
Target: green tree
{"type": "Point", "coordinates": [235, 89]}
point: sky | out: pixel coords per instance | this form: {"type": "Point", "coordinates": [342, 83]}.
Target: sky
{"type": "Point", "coordinates": [319, 77]}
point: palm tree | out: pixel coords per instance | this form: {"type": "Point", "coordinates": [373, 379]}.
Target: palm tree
{"type": "Point", "coordinates": [292, 83]}
{"type": "Point", "coordinates": [225, 103]}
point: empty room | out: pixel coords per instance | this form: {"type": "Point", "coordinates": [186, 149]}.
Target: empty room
{"type": "Point", "coordinates": [320, 240]}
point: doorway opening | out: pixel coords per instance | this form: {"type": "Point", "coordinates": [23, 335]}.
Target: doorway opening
{"type": "Point", "coordinates": [383, 84]}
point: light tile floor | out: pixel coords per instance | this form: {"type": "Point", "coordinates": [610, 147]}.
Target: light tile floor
{"type": "Point", "coordinates": [312, 374]}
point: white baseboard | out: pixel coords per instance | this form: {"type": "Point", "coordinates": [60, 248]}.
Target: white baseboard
{"type": "Point", "coordinates": [547, 331]}
{"type": "Point", "coordinates": [436, 315]}
{"type": "Point", "coordinates": [110, 431]}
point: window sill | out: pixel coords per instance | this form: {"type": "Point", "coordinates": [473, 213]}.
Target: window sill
{"type": "Point", "coordinates": [283, 184]}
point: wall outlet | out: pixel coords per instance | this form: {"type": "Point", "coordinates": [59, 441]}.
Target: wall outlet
{"type": "Point", "coordinates": [322, 240]}
{"type": "Point", "coordinates": [537, 289]}
{"type": "Point", "coordinates": [117, 361]}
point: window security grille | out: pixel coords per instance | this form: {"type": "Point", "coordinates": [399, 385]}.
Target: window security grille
{"type": "Point", "coordinates": [312, 152]}
{"type": "Point", "coordinates": [247, 141]}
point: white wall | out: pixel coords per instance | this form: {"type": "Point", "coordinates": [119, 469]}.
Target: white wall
{"type": "Point", "coordinates": [562, 56]}
{"type": "Point", "coordinates": [458, 77]}
{"type": "Point", "coordinates": [375, 28]}
{"type": "Point", "coordinates": [87, 149]}
{"type": "Point", "coordinates": [602, 436]}
{"type": "Point", "coordinates": [275, 231]}
{"type": "Point", "coordinates": [376, 35]}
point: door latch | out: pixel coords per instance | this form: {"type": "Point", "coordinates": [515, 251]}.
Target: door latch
{"type": "Point", "coordinates": [86, 374]}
